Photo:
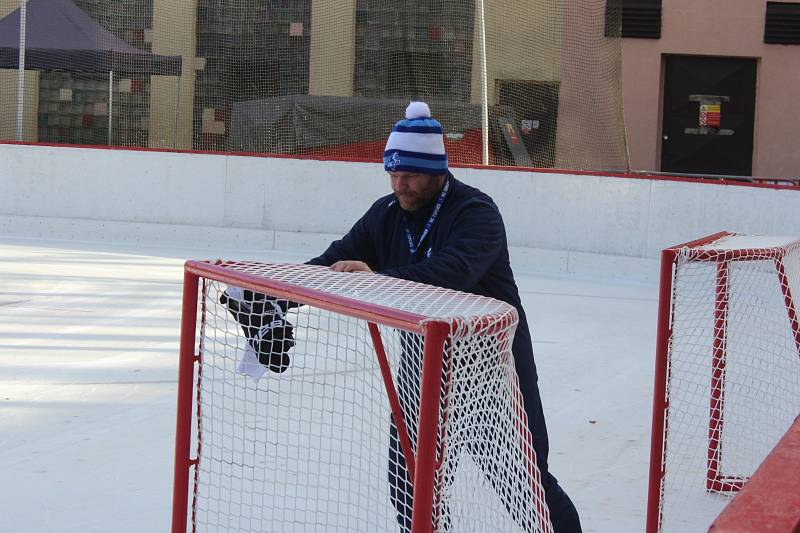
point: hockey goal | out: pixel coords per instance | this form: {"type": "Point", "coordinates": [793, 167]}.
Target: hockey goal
{"type": "Point", "coordinates": [727, 379]}
{"type": "Point", "coordinates": [383, 402]}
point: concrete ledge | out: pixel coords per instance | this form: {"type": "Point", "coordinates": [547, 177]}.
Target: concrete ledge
{"type": "Point", "coordinates": [247, 243]}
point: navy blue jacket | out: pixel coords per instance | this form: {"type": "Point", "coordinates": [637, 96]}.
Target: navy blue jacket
{"type": "Point", "coordinates": [466, 250]}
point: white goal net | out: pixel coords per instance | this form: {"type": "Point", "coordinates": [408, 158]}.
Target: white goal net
{"type": "Point", "coordinates": [730, 372]}
{"type": "Point", "coordinates": [309, 406]}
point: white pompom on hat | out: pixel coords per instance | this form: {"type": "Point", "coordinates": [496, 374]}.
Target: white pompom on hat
{"type": "Point", "coordinates": [418, 110]}
{"type": "Point", "coordinates": [416, 143]}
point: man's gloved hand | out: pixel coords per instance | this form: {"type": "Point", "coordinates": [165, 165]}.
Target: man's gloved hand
{"type": "Point", "coordinates": [262, 320]}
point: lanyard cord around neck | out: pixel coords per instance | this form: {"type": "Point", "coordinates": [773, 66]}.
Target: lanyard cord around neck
{"type": "Point", "coordinates": [428, 225]}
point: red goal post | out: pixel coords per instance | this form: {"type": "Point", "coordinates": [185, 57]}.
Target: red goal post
{"type": "Point", "coordinates": [727, 376]}
{"type": "Point", "coordinates": [311, 446]}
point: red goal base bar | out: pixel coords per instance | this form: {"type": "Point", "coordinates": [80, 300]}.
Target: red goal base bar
{"type": "Point", "coordinates": [770, 501]}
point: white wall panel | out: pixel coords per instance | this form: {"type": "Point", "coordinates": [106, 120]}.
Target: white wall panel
{"type": "Point", "coordinates": [303, 203]}
{"type": "Point", "coordinates": [124, 185]}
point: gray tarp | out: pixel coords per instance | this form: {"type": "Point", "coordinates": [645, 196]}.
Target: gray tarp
{"type": "Point", "coordinates": [292, 124]}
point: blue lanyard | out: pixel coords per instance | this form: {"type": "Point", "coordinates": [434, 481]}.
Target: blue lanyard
{"type": "Point", "coordinates": [428, 225]}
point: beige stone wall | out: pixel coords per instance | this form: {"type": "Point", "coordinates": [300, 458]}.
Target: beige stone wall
{"type": "Point", "coordinates": [333, 47]}
{"type": "Point", "coordinates": [172, 97]}
{"type": "Point", "coordinates": [519, 45]}
{"type": "Point", "coordinates": [8, 95]}
{"type": "Point", "coordinates": [8, 105]}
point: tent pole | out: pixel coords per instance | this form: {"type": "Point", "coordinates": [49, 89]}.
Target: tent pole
{"type": "Point", "coordinates": [23, 14]}
{"type": "Point", "coordinates": [110, 102]}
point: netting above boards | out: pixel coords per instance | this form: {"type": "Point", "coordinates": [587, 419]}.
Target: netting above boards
{"type": "Point", "coordinates": [514, 83]}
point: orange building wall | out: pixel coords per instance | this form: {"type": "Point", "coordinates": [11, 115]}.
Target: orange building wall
{"type": "Point", "coordinates": [733, 28]}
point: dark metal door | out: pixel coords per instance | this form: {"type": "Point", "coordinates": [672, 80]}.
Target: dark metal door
{"type": "Point", "coordinates": [709, 113]}
{"type": "Point", "coordinates": [535, 115]}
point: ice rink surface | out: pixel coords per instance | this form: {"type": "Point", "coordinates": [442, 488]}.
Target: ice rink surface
{"type": "Point", "coordinates": [88, 378]}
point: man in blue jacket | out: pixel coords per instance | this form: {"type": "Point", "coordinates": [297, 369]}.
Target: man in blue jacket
{"type": "Point", "coordinates": [437, 230]}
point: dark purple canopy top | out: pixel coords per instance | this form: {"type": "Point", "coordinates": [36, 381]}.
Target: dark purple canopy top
{"type": "Point", "coordinates": [61, 36]}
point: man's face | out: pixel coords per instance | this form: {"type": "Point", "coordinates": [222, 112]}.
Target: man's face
{"type": "Point", "coordinates": [415, 190]}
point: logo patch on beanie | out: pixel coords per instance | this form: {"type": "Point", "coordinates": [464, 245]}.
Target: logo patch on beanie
{"type": "Point", "coordinates": [394, 161]}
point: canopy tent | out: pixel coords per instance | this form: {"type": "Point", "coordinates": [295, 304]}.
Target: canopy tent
{"type": "Point", "coordinates": [61, 36]}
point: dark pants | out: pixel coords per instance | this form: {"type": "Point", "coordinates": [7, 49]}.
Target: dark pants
{"type": "Point", "coordinates": [563, 514]}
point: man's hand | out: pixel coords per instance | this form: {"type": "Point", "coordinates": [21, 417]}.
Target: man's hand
{"type": "Point", "coordinates": [350, 266]}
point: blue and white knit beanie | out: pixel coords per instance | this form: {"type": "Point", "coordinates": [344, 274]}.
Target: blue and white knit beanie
{"type": "Point", "coordinates": [416, 143]}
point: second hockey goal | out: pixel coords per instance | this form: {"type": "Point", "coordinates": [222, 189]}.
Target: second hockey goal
{"type": "Point", "coordinates": [727, 380]}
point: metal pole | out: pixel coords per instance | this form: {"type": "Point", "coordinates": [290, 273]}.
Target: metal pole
{"type": "Point", "coordinates": [23, 15]}
{"type": "Point", "coordinates": [484, 85]}
{"type": "Point", "coordinates": [110, 102]}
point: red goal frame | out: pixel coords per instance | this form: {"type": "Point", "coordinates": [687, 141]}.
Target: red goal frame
{"type": "Point", "coordinates": [716, 481]}
{"type": "Point", "coordinates": [422, 466]}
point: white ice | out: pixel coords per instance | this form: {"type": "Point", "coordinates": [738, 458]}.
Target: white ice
{"type": "Point", "coordinates": [88, 377]}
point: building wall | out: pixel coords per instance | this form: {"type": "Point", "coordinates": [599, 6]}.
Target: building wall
{"type": "Point", "coordinates": [333, 47]}
{"type": "Point", "coordinates": [8, 95]}
{"type": "Point", "coordinates": [732, 28]}
{"type": "Point", "coordinates": [8, 105]}
{"type": "Point", "coordinates": [172, 97]}
{"type": "Point", "coordinates": [513, 49]}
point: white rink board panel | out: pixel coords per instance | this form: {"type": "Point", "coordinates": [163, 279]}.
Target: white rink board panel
{"type": "Point", "coordinates": [588, 214]}
{"type": "Point", "coordinates": [114, 185]}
